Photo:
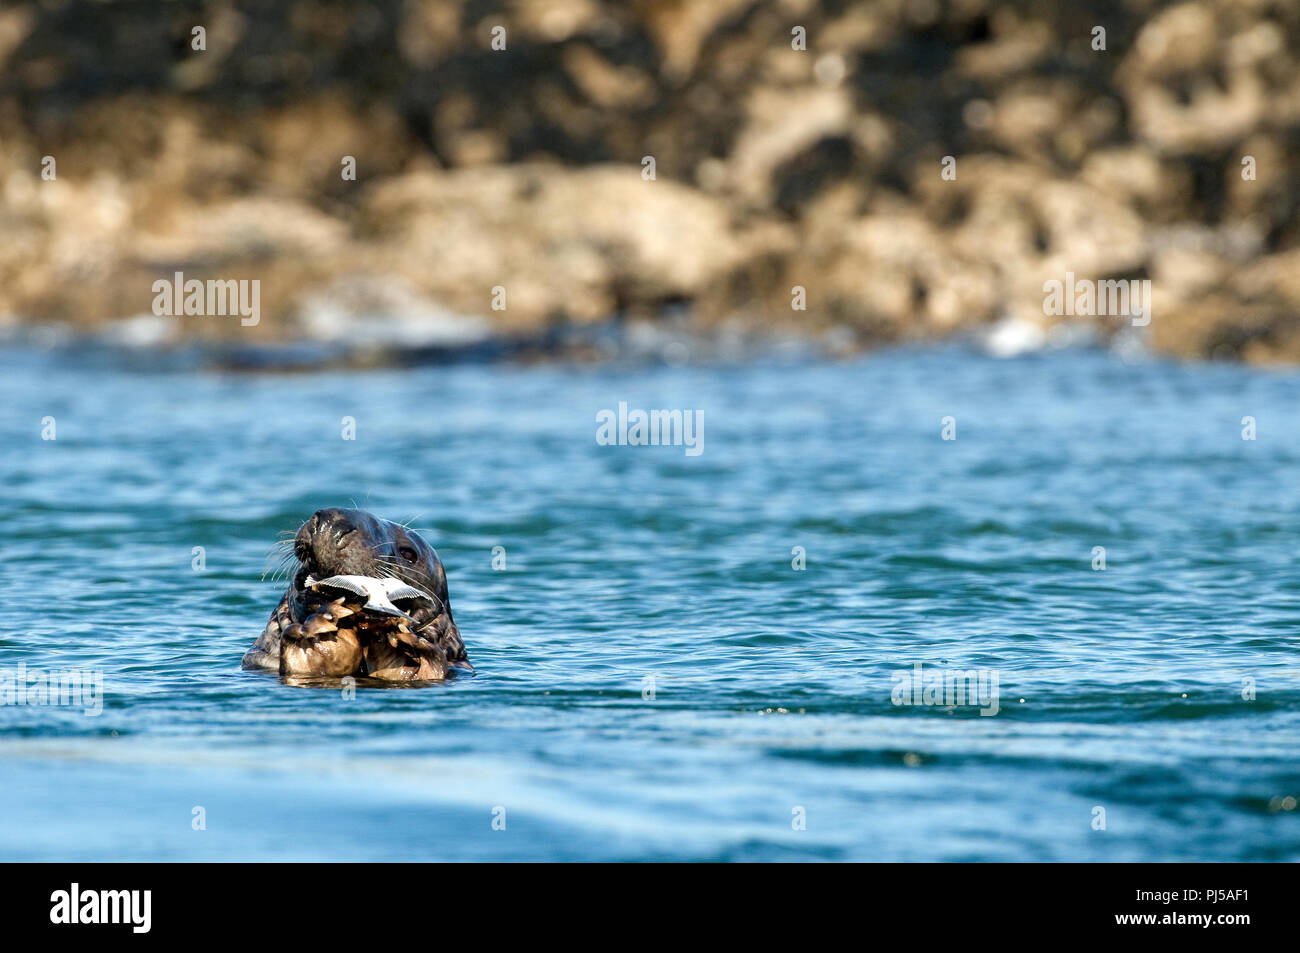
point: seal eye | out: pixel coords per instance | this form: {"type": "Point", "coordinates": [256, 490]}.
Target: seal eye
{"type": "Point", "coordinates": [407, 553]}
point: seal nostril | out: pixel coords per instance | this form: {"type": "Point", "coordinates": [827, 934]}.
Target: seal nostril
{"type": "Point", "coordinates": [332, 521]}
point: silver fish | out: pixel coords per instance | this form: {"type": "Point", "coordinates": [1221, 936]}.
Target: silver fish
{"type": "Point", "coordinates": [379, 593]}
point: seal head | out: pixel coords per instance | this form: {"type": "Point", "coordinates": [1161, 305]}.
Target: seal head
{"type": "Point", "coordinates": [367, 597]}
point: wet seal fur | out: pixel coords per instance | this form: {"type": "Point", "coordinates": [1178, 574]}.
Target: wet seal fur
{"type": "Point", "coordinates": [336, 618]}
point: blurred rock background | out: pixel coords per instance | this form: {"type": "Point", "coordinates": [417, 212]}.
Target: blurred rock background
{"type": "Point", "coordinates": [774, 166]}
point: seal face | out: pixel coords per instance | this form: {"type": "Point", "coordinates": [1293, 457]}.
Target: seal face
{"type": "Point", "coordinates": [368, 597]}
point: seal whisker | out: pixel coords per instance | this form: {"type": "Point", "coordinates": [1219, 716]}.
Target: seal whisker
{"type": "Point", "coordinates": [277, 561]}
{"type": "Point", "coordinates": [281, 567]}
{"type": "Point", "coordinates": [272, 561]}
{"type": "Point", "coordinates": [392, 573]}
{"type": "Point", "coordinates": [407, 524]}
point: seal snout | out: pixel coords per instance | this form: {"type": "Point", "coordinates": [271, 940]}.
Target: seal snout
{"type": "Point", "coordinates": [334, 519]}
{"type": "Point", "coordinates": [327, 524]}
{"type": "Point", "coordinates": [325, 544]}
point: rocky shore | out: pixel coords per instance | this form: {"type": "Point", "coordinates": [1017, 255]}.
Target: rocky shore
{"type": "Point", "coordinates": [863, 173]}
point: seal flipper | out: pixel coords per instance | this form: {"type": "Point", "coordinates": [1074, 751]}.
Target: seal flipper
{"type": "Point", "coordinates": [451, 642]}
{"type": "Point", "coordinates": [430, 653]}
{"type": "Point", "coordinates": [318, 646]}
{"type": "Point", "coordinates": [265, 653]}
{"type": "Point", "coordinates": [400, 655]}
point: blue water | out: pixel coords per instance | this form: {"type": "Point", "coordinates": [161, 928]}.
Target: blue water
{"type": "Point", "coordinates": [654, 679]}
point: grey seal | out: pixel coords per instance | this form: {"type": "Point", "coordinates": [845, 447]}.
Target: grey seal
{"type": "Point", "coordinates": [367, 597]}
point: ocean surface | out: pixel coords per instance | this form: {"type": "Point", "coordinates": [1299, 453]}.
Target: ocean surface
{"type": "Point", "coordinates": [656, 677]}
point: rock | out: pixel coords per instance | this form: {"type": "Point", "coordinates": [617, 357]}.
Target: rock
{"type": "Point", "coordinates": [1169, 156]}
